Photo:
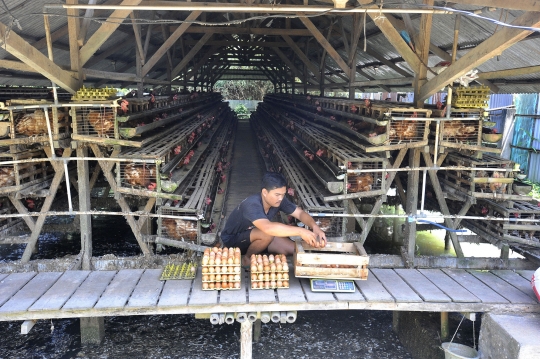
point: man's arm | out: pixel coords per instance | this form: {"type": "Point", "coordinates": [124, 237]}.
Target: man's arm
{"type": "Point", "coordinates": [310, 222]}
{"type": "Point", "coordinates": [281, 230]}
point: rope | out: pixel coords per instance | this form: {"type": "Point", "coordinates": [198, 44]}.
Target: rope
{"type": "Point", "coordinates": [463, 317]}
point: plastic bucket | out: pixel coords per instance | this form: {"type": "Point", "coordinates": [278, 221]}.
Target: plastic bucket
{"type": "Point", "coordinates": [459, 351]}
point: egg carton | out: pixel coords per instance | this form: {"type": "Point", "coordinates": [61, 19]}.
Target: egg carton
{"type": "Point", "coordinates": [184, 270]}
{"type": "Point", "coordinates": [267, 287]}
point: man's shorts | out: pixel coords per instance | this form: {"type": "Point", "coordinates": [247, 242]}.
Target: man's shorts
{"type": "Point", "coordinates": [241, 240]}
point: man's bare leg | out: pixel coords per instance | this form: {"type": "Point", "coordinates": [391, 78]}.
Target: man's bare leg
{"type": "Point", "coordinates": [259, 242]}
{"type": "Point", "coordinates": [281, 245]}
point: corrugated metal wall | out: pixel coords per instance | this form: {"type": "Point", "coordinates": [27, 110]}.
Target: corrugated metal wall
{"type": "Point", "coordinates": [498, 116]}
{"type": "Point", "coordinates": [534, 161]}
{"type": "Point", "coordinates": [525, 128]}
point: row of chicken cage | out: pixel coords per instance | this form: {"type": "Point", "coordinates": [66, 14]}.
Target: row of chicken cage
{"type": "Point", "coordinates": [103, 122]}
{"type": "Point", "coordinates": [394, 129]}
{"type": "Point", "coordinates": [158, 169]}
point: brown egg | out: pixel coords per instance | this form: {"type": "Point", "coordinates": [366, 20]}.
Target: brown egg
{"type": "Point", "coordinates": [205, 277]}
{"type": "Point", "coordinates": [236, 277]}
{"type": "Point", "coordinates": [211, 285]}
{"type": "Point", "coordinates": [237, 285]}
{"type": "Point", "coordinates": [254, 285]}
{"type": "Point", "coordinates": [279, 267]}
{"type": "Point", "coordinates": [267, 276]}
{"type": "Point", "coordinates": [236, 260]}
{"type": "Point", "coordinates": [279, 283]}
{"type": "Point", "coordinates": [205, 285]}
{"type": "Point", "coordinates": [218, 277]}
{"type": "Point", "coordinates": [211, 269]}
{"type": "Point", "coordinates": [212, 261]}
{"type": "Point", "coordinates": [218, 285]}
{"type": "Point", "coordinates": [218, 269]}
{"type": "Point", "coordinates": [205, 269]}
{"type": "Point", "coordinates": [231, 277]}
{"type": "Point", "coordinates": [286, 267]}
{"type": "Point", "coordinates": [271, 258]}
{"type": "Point", "coordinates": [260, 276]}
{"type": "Point", "coordinates": [215, 249]}
{"type": "Point", "coordinates": [277, 260]}
{"type": "Point", "coordinates": [211, 277]}
{"type": "Point", "coordinates": [253, 276]}
{"type": "Point", "coordinates": [260, 267]}
{"type": "Point", "coordinates": [224, 285]}
{"type": "Point", "coordinates": [253, 267]}
{"type": "Point", "coordinates": [265, 258]}
{"type": "Point", "coordinates": [266, 268]}
{"type": "Point", "coordinates": [286, 276]}
{"type": "Point", "coordinates": [230, 260]}
{"type": "Point", "coordinates": [279, 276]}
{"type": "Point", "coordinates": [273, 267]}
{"type": "Point", "coordinates": [273, 283]}
{"type": "Point", "coordinates": [218, 260]}
{"type": "Point", "coordinates": [285, 283]}
{"type": "Point", "coordinates": [272, 276]}
{"type": "Point", "coordinates": [207, 251]}
{"type": "Point", "coordinates": [259, 260]}
{"type": "Point", "coordinates": [267, 285]}
{"type": "Point", "coordinates": [205, 260]}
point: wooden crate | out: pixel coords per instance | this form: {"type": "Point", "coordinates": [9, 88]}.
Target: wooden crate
{"type": "Point", "coordinates": [15, 177]}
{"type": "Point", "coordinates": [27, 124]}
{"type": "Point", "coordinates": [382, 110]}
{"type": "Point", "coordinates": [479, 183]}
{"type": "Point", "coordinates": [335, 261]}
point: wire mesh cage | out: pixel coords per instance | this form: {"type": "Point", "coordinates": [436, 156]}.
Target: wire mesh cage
{"type": "Point", "coordinates": [462, 131]}
{"type": "Point", "coordinates": [331, 226]}
{"type": "Point", "coordinates": [96, 120]}
{"type": "Point", "coordinates": [178, 228]}
{"type": "Point", "coordinates": [383, 110]}
{"type": "Point", "coordinates": [17, 176]}
{"type": "Point", "coordinates": [366, 181]}
{"type": "Point", "coordinates": [407, 130]}
{"type": "Point", "coordinates": [7, 223]}
{"type": "Point", "coordinates": [482, 181]}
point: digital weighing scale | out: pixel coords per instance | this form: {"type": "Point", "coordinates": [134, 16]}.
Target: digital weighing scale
{"type": "Point", "coordinates": [332, 285]}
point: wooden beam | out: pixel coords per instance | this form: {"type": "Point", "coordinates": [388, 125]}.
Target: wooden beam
{"type": "Point", "coordinates": [197, 29]}
{"type": "Point", "coordinates": [137, 32]}
{"type": "Point", "coordinates": [355, 36]}
{"type": "Point", "coordinates": [383, 22]}
{"type": "Point", "coordinates": [422, 48]}
{"type": "Point", "coordinates": [204, 58]}
{"type": "Point", "coordinates": [491, 47]}
{"type": "Point", "coordinates": [120, 46]}
{"type": "Point", "coordinates": [170, 41]}
{"type": "Point", "coordinates": [89, 13]}
{"type": "Point", "coordinates": [525, 5]}
{"type": "Point", "coordinates": [500, 74]}
{"type": "Point", "coordinates": [325, 44]}
{"type": "Point", "coordinates": [301, 55]}
{"type": "Point", "coordinates": [105, 31]}
{"type": "Point", "coordinates": [73, 27]}
{"type": "Point", "coordinates": [190, 54]}
{"type": "Point", "coordinates": [28, 54]}
{"type": "Point", "coordinates": [388, 63]}
{"type": "Point", "coordinates": [16, 65]}
{"type": "Point", "coordinates": [290, 64]}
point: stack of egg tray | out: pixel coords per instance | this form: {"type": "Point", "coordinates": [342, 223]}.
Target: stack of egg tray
{"type": "Point", "coordinates": [184, 270]}
{"type": "Point", "coordinates": [262, 277]}
{"type": "Point", "coordinates": [230, 274]}
{"type": "Point", "coordinates": [471, 97]}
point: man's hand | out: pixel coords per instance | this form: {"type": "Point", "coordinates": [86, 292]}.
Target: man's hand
{"type": "Point", "coordinates": [321, 235]}
{"type": "Point", "coordinates": [316, 239]}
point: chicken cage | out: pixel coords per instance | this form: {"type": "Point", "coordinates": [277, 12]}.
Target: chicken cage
{"type": "Point", "coordinates": [167, 160]}
{"type": "Point", "coordinates": [520, 219]}
{"type": "Point", "coordinates": [408, 131]}
{"type": "Point", "coordinates": [367, 177]}
{"type": "Point", "coordinates": [8, 224]}
{"type": "Point", "coordinates": [464, 134]}
{"type": "Point", "coordinates": [27, 124]}
{"type": "Point", "coordinates": [16, 176]}
{"type": "Point", "coordinates": [479, 179]}
{"type": "Point", "coordinates": [193, 216]}
{"type": "Point", "coordinates": [93, 122]}
{"type": "Point", "coordinates": [382, 110]}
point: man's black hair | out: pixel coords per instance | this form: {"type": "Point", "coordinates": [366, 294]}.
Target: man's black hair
{"type": "Point", "coordinates": [273, 180]}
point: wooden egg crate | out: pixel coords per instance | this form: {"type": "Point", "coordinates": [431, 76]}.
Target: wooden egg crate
{"type": "Point", "coordinates": [27, 124]}
{"type": "Point", "coordinates": [169, 158]}
{"type": "Point", "coordinates": [335, 261]}
{"type": "Point", "coordinates": [479, 183]}
{"type": "Point", "coordinates": [514, 214]}
{"type": "Point", "coordinates": [15, 177]}
{"type": "Point", "coordinates": [95, 122]}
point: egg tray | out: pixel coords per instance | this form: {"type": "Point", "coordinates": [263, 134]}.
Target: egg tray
{"type": "Point", "coordinates": [179, 271]}
{"type": "Point", "coordinates": [270, 271]}
{"type": "Point", "coordinates": [239, 281]}
{"type": "Point", "coordinates": [269, 287]}
{"type": "Point", "coordinates": [221, 266]}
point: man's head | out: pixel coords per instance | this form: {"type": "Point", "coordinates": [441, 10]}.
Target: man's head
{"type": "Point", "coordinates": [274, 187]}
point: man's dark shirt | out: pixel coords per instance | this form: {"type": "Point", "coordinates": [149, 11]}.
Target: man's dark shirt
{"type": "Point", "coordinates": [251, 209]}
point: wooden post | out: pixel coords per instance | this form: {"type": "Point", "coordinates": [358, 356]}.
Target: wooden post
{"type": "Point", "coordinates": [456, 37]}
{"type": "Point", "coordinates": [395, 321]}
{"type": "Point", "coordinates": [444, 326]}
{"type": "Point", "coordinates": [84, 206]}
{"type": "Point", "coordinates": [412, 203]}
{"type": "Point", "coordinates": [257, 330]}
{"type": "Point", "coordinates": [505, 251]}
{"type": "Point", "coordinates": [246, 338]}
{"type": "Point", "coordinates": [92, 330]}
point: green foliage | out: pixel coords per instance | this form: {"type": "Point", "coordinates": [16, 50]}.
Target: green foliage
{"type": "Point", "coordinates": [241, 110]}
{"type": "Point", "coordinates": [243, 89]}
{"type": "Point", "coordinates": [535, 192]}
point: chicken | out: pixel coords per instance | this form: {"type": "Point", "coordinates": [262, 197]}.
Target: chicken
{"type": "Point", "coordinates": [7, 177]}
{"type": "Point", "coordinates": [32, 124]}
{"type": "Point", "coordinates": [325, 224]}
{"type": "Point", "coordinates": [140, 175]}
{"type": "Point", "coordinates": [360, 183]}
{"type": "Point", "coordinates": [101, 121]}
{"type": "Point", "coordinates": [494, 187]}
{"type": "Point", "coordinates": [180, 229]}
{"type": "Point", "coordinates": [457, 130]}
{"type": "Point", "coordinates": [403, 130]}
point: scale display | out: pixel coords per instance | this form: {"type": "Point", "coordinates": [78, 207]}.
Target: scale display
{"type": "Point", "coordinates": [332, 285]}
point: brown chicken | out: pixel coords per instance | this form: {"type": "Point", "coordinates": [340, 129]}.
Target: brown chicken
{"type": "Point", "coordinates": [494, 187]}
{"type": "Point", "coordinates": [179, 228]}
{"type": "Point", "coordinates": [102, 122]}
{"type": "Point", "coordinates": [32, 124]}
{"type": "Point", "coordinates": [360, 183]}
{"type": "Point", "coordinates": [403, 130]}
{"type": "Point", "coordinates": [7, 177]}
{"type": "Point", "coordinates": [140, 175]}
{"type": "Point", "coordinates": [457, 130]}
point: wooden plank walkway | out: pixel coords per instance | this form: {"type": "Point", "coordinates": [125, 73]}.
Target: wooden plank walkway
{"type": "Point", "coordinates": [75, 294]}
